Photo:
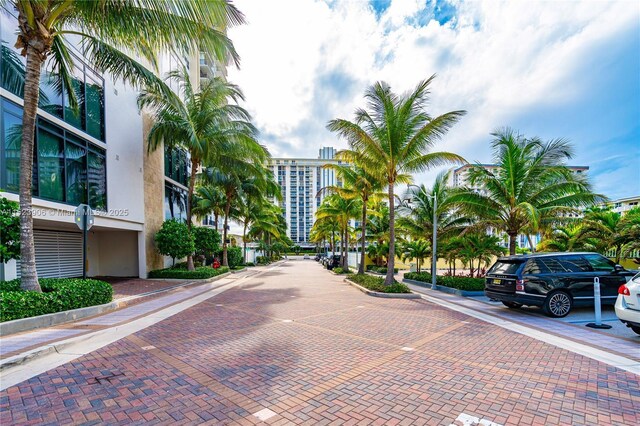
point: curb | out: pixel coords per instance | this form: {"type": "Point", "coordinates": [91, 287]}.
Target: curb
{"type": "Point", "coordinates": [383, 295]}
{"type": "Point", "coordinates": [57, 318]}
{"type": "Point", "coordinates": [444, 289]}
{"type": "Point", "coordinates": [237, 271]}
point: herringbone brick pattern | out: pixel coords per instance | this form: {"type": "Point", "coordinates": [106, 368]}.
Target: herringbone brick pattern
{"type": "Point", "coordinates": [299, 342]}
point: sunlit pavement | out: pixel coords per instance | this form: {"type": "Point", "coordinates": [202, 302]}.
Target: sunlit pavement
{"type": "Point", "coordinates": [298, 345]}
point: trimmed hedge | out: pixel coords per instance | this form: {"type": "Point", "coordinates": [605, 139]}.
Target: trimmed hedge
{"type": "Point", "coordinates": [58, 294]}
{"type": "Point", "coordinates": [199, 273]}
{"type": "Point", "coordinates": [459, 283]}
{"type": "Point", "coordinates": [377, 284]}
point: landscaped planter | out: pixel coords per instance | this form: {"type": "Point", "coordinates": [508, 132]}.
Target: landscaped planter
{"type": "Point", "coordinates": [384, 295]}
{"type": "Point", "coordinates": [444, 289]}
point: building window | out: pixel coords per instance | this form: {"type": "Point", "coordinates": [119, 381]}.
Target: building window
{"type": "Point", "coordinates": [66, 168]}
{"type": "Point", "coordinates": [87, 84]}
{"type": "Point", "coordinates": [176, 164]}
{"type": "Point", "coordinates": [175, 202]}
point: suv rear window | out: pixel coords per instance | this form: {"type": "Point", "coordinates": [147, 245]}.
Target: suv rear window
{"type": "Point", "coordinates": [506, 266]}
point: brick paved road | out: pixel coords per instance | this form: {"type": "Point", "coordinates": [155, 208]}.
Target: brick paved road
{"type": "Point", "coordinates": [298, 346]}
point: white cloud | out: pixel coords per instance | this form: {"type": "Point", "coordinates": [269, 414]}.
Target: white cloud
{"type": "Point", "coordinates": [305, 62]}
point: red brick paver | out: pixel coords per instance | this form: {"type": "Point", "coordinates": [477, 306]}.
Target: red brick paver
{"type": "Point", "coordinates": [299, 342]}
{"type": "Point", "coordinates": [125, 287]}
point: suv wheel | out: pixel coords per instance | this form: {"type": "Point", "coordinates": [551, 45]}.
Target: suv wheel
{"type": "Point", "coordinates": [512, 305]}
{"type": "Point", "coordinates": [558, 304]}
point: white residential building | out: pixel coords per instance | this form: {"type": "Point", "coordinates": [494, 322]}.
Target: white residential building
{"type": "Point", "coordinates": [301, 181]}
{"type": "Point", "coordinates": [623, 205]}
{"type": "Point", "coordinates": [98, 157]}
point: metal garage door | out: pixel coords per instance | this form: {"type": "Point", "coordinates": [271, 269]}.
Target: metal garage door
{"type": "Point", "coordinates": [58, 254]}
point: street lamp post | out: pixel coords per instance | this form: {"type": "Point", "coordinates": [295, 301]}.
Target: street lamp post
{"type": "Point", "coordinates": [434, 258]}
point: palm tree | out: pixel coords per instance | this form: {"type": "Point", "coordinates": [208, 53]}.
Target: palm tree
{"type": "Point", "coordinates": [606, 227]}
{"type": "Point", "coordinates": [340, 210]}
{"type": "Point", "coordinates": [392, 139]}
{"type": "Point", "coordinates": [106, 29]}
{"type": "Point", "coordinates": [479, 247]}
{"type": "Point", "coordinates": [416, 249]}
{"type": "Point", "coordinates": [254, 200]}
{"type": "Point", "coordinates": [531, 185]}
{"type": "Point", "coordinates": [230, 178]}
{"type": "Point", "coordinates": [417, 213]}
{"type": "Point", "coordinates": [570, 237]}
{"type": "Point", "coordinates": [209, 199]}
{"type": "Point", "coordinates": [213, 130]}
{"type": "Point", "coordinates": [357, 183]}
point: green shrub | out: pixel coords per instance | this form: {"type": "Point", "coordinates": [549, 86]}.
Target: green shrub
{"type": "Point", "coordinates": [199, 273]}
{"type": "Point", "coordinates": [380, 269]}
{"type": "Point", "coordinates": [206, 240]}
{"type": "Point", "coordinates": [263, 260]}
{"type": "Point", "coordinates": [174, 239]}
{"type": "Point", "coordinates": [249, 264]}
{"type": "Point", "coordinates": [459, 283]}
{"type": "Point", "coordinates": [377, 284]}
{"type": "Point", "coordinates": [58, 294]}
{"type": "Point", "coordinates": [340, 270]}
{"type": "Point", "coordinates": [10, 235]}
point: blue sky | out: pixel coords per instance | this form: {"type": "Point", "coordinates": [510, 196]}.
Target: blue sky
{"type": "Point", "coordinates": [548, 69]}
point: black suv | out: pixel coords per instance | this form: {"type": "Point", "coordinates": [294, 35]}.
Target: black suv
{"type": "Point", "coordinates": [554, 281]}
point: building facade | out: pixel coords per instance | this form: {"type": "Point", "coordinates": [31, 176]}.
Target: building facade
{"type": "Point", "coordinates": [301, 181]}
{"type": "Point", "coordinates": [96, 157]}
{"type": "Point", "coordinates": [623, 205]}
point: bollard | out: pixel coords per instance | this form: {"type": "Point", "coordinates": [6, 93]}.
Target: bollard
{"type": "Point", "coordinates": [598, 307]}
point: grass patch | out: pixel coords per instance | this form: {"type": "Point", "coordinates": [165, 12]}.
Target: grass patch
{"type": "Point", "coordinates": [377, 284]}
{"type": "Point", "coordinates": [199, 273]}
{"type": "Point", "coordinates": [58, 294]}
{"type": "Point", "coordinates": [459, 283]}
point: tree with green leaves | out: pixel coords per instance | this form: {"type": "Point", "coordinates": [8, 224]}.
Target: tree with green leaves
{"type": "Point", "coordinates": [175, 240]}
{"type": "Point", "coordinates": [570, 237]}
{"type": "Point", "coordinates": [357, 184]}
{"type": "Point", "coordinates": [392, 138]}
{"type": "Point", "coordinates": [10, 230]}
{"type": "Point", "coordinates": [417, 249]}
{"type": "Point", "coordinates": [105, 30]}
{"type": "Point", "coordinates": [207, 200]}
{"type": "Point", "coordinates": [206, 240]}
{"type": "Point", "coordinates": [530, 186]}
{"type": "Point", "coordinates": [341, 210]}
{"type": "Point", "coordinates": [207, 123]}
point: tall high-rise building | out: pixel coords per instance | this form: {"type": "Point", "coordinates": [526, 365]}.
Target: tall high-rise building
{"type": "Point", "coordinates": [302, 181]}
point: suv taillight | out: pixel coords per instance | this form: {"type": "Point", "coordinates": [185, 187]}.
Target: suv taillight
{"type": "Point", "coordinates": [624, 290]}
{"type": "Point", "coordinates": [519, 285]}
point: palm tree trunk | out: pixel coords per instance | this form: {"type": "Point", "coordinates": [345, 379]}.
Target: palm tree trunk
{"type": "Point", "coordinates": [512, 243]}
{"type": "Point", "coordinates": [364, 233]}
{"type": "Point", "coordinates": [418, 264]}
{"type": "Point", "coordinates": [227, 208]}
{"type": "Point", "coordinates": [192, 184]}
{"type": "Point", "coordinates": [244, 243]}
{"type": "Point", "coordinates": [389, 279]}
{"type": "Point", "coordinates": [533, 249]}
{"type": "Point", "coordinates": [28, 272]}
{"type": "Point", "coordinates": [215, 219]}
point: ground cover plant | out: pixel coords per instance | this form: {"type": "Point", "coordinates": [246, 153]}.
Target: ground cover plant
{"type": "Point", "coordinates": [377, 284]}
{"type": "Point", "coordinates": [459, 283]}
{"type": "Point", "coordinates": [201, 272]}
{"type": "Point", "coordinates": [58, 294]}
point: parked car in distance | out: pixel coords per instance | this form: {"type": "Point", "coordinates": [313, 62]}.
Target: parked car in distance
{"type": "Point", "coordinates": [306, 256]}
{"type": "Point", "coordinates": [628, 303]}
{"type": "Point", "coordinates": [334, 261]}
{"type": "Point", "coordinates": [554, 281]}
